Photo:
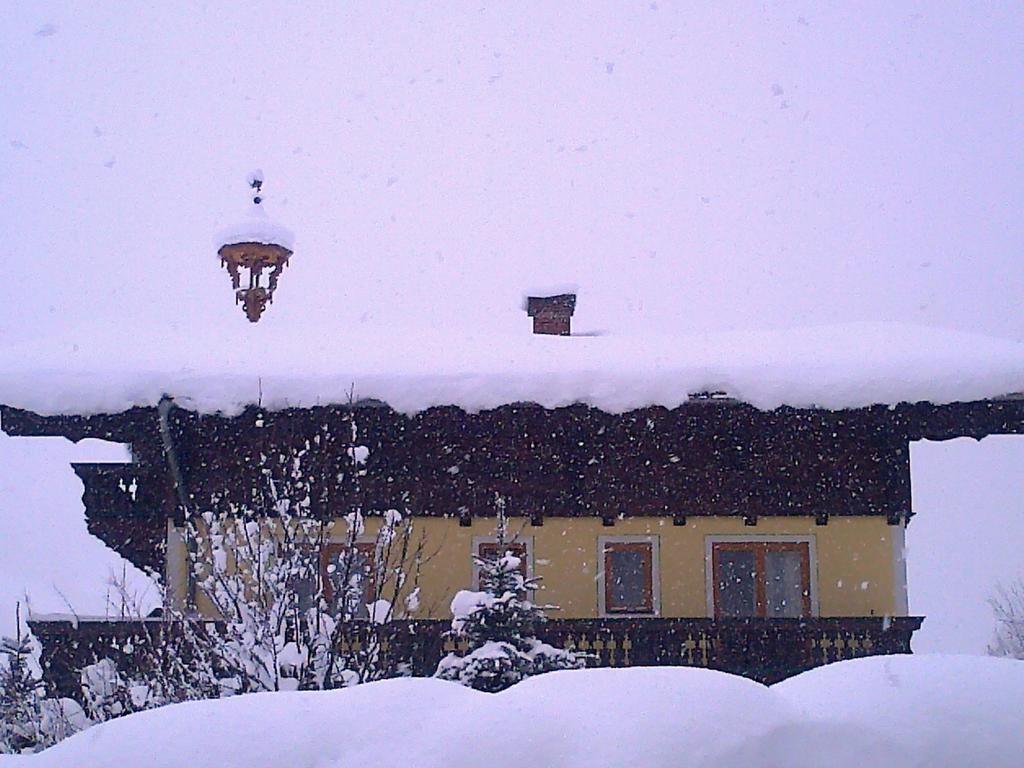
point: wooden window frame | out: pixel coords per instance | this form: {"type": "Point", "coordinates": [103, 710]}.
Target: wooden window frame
{"type": "Point", "coordinates": [609, 544]}
{"type": "Point", "coordinates": [369, 548]}
{"type": "Point", "coordinates": [525, 543]}
{"type": "Point", "coordinates": [760, 547]}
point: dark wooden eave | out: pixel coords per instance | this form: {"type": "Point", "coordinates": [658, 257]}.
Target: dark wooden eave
{"type": "Point", "coordinates": [978, 419]}
{"type": "Point", "coordinates": [125, 427]}
{"type": "Point", "coordinates": [122, 513]}
{"type": "Point", "coordinates": [912, 421]}
{"type": "Point", "coordinates": [711, 456]}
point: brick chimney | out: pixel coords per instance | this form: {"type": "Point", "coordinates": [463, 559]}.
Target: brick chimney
{"type": "Point", "coordinates": [551, 314]}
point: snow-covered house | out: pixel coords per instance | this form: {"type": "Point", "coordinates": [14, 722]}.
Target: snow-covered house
{"type": "Point", "coordinates": [732, 501]}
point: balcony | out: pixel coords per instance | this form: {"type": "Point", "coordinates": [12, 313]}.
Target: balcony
{"type": "Point", "coordinates": [767, 650]}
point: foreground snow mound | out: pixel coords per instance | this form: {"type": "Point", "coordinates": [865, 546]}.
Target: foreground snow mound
{"type": "Point", "coordinates": [942, 710]}
{"type": "Point", "coordinates": [356, 726]}
{"type": "Point", "coordinates": [614, 718]}
{"type": "Point", "coordinates": [895, 711]}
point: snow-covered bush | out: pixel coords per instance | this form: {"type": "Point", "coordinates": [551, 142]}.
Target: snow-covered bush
{"type": "Point", "coordinates": [251, 571]}
{"type": "Point", "coordinates": [108, 694]}
{"type": "Point", "coordinates": [256, 557]}
{"type": "Point", "coordinates": [1008, 608]}
{"type": "Point", "coordinates": [281, 618]}
{"type": "Point", "coordinates": [498, 625]}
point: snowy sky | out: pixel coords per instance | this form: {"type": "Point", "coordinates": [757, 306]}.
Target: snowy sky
{"type": "Point", "coordinates": [733, 167]}
{"type": "Point", "coordinates": [744, 166]}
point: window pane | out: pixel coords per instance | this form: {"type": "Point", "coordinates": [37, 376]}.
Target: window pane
{"type": "Point", "coordinates": [303, 582]}
{"type": "Point", "coordinates": [737, 588]}
{"type": "Point", "coordinates": [489, 551]}
{"type": "Point", "coordinates": [348, 573]}
{"type": "Point", "coordinates": [784, 582]}
{"type": "Point", "coordinates": [627, 571]}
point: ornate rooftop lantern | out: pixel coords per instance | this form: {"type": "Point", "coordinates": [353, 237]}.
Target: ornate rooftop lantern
{"type": "Point", "coordinates": [255, 246]}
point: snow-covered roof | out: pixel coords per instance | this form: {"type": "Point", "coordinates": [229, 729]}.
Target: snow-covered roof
{"type": "Point", "coordinates": [693, 171]}
{"type": "Point", "coordinates": [483, 366]}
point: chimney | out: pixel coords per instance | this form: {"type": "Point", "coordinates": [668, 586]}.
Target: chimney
{"type": "Point", "coordinates": [551, 314]}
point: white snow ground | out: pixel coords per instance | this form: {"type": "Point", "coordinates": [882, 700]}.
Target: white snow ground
{"type": "Point", "coordinates": [886, 712]}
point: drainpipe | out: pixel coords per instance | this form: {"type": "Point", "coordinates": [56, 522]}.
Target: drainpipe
{"type": "Point", "coordinates": [163, 409]}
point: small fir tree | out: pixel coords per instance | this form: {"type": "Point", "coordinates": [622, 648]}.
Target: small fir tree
{"type": "Point", "coordinates": [20, 695]}
{"type": "Point", "coordinates": [29, 721]}
{"type": "Point", "coordinates": [499, 624]}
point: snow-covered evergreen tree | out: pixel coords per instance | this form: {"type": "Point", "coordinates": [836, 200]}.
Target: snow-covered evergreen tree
{"type": "Point", "coordinates": [499, 624]}
{"type": "Point", "coordinates": [20, 695]}
{"type": "Point", "coordinates": [29, 721]}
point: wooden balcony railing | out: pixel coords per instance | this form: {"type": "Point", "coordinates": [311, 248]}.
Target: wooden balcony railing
{"type": "Point", "coordinates": [767, 650]}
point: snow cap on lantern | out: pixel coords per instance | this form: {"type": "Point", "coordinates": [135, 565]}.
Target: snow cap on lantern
{"type": "Point", "coordinates": [253, 245]}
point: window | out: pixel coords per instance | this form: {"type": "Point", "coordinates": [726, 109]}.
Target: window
{"type": "Point", "coordinates": [348, 574]}
{"type": "Point", "coordinates": [304, 585]}
{"type": "Point", "coordinates": [761, 578]}
{"type": "Point", "coordinates": [628, 575]}
{"type": "Point", "coordinates": [486, 547]}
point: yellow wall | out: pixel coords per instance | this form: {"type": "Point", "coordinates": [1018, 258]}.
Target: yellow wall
{"type": "Point", "coordinates": [854, 573]}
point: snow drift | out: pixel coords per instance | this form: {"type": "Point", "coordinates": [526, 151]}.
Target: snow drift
{"type": "Point", "coordinates": [901, 711]}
